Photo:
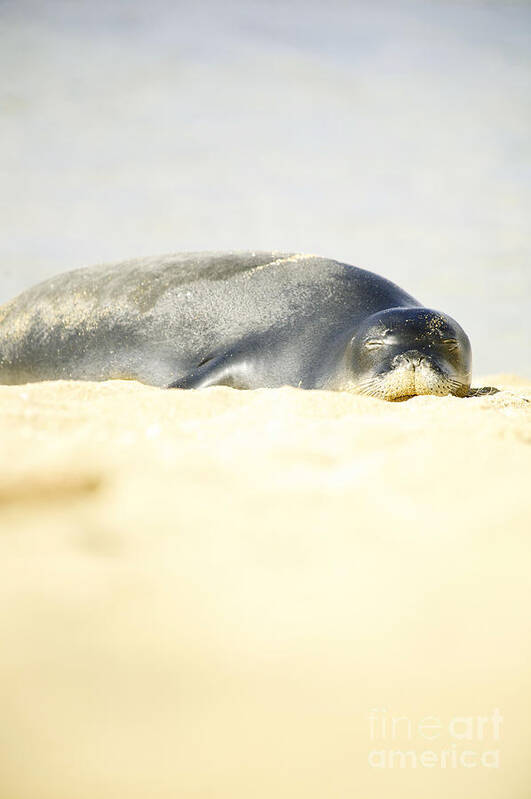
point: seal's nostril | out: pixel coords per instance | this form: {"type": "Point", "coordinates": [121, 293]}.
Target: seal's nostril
{"type": "Point", "coordinates": [410, 358]}
{"type": "Point", "coordinates": [397, 360]}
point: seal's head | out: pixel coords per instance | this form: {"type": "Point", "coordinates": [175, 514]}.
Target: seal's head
{"type": "Point", "coordinates": [401, 352]}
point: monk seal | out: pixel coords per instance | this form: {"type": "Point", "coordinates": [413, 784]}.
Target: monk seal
{"type": "Point", "coordinates": [241, 319]}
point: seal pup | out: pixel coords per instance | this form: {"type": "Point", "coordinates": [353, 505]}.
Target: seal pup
{"type": "Point", "coordinates": [241, 319]}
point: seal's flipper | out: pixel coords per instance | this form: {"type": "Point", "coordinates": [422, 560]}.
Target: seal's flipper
{"type": "Point", "coordinates": [482, 391]}
{"type": "Point", "coordinates": [223, 370]}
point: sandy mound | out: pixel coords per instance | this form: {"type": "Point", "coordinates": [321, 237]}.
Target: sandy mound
{"type": "Point", "coordinates": [225, 594]}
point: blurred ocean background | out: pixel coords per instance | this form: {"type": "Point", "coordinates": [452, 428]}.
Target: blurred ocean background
{"type": "Point", "coordinates": [392, 135]}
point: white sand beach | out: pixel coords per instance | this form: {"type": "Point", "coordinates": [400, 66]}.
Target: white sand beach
{"type": "Point", "coordinates": [222, 593]}
{"type": "Point", "coordinates": [272, 594]}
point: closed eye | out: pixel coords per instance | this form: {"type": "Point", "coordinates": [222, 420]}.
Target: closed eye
{"type": "Point", "coordinates": [451, 343]}
{"type": "Point", "coordinates": [373, 343]}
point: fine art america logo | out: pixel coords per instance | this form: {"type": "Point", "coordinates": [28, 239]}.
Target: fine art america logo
{"type": "Point", "coordinates": [433, 742]}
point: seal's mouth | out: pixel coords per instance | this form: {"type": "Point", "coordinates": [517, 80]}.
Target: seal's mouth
{"type": "Point", "coordinates": [404, 382]}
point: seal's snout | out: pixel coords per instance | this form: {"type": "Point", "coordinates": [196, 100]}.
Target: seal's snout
{"type": "Point", "coordinates": [409, 360]}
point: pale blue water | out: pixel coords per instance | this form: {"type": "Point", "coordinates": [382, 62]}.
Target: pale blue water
{"type": "Point", "coordinates": [392, 135]}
